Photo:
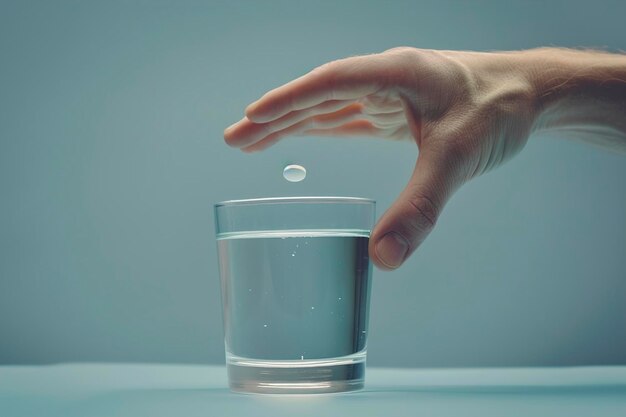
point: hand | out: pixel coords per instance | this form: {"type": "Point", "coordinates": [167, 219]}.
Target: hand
{"type": "Point", "coordinates": [467, 112]}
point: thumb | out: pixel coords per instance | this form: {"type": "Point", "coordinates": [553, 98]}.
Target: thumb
{"type": "Point", "coordinates": [413, 215]}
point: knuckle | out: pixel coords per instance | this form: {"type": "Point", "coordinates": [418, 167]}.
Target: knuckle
{"type": "Point", "coordinates": [400, 65]}
{"type": "Point", "coordinates": [425, 212]}
{"type": "Point", "coordinates": [331, 69]}
{"type": "Point", "coordinates": [399, 50]}
{"type": "Point", "coordinates": [321, 68]}
{"type": "Point", "coordinates": [328, 66]}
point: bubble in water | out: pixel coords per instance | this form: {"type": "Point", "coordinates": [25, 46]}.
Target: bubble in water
{"type": "Point", "coordinates": [294, 173]}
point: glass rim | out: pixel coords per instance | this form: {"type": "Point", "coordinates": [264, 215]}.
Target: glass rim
{"type": "Point", "coordinates": [308, 199]}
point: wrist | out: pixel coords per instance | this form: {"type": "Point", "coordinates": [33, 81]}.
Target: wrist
{"type": "Point", "coordinates": [573, 88]}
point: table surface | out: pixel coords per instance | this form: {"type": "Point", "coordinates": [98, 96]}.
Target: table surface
{"type": "Point", "coordinates": [138, 390]}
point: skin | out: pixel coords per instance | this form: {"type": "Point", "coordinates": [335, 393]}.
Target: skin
{"type": "Point", "coordinates": [467, 112]}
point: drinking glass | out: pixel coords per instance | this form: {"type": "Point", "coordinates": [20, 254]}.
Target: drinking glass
{"type": "Point", "coordinates": [296, 278]}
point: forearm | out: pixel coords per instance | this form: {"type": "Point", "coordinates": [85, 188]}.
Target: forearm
{"type": "Point", "coordinates": [580, 93]}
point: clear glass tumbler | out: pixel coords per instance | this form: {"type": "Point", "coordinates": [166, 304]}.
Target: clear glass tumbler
{"type": "Point", "coordinates": [296, 279]}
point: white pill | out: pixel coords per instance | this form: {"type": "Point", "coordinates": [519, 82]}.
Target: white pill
{"type": "Point", "coordinates": [294, 173]}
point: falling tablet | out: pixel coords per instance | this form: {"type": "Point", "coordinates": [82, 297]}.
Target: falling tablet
{"type": "Point", "coordinates": [294, 173]}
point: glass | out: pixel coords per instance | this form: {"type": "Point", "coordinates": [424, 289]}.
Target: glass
{"type": "Point", "coordinates": [296, 279]}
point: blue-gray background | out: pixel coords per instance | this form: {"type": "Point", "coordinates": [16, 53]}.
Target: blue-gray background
{"type": "Point", "coordinates": [111, 156]}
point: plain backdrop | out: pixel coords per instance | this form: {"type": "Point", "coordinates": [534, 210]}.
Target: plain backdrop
{"type": "Point", "coordinates": [111, 158]}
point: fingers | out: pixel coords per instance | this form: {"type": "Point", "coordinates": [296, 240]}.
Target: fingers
{"type": "Point", "coordinates": [324, 121]}
{"type": "Point", "coordinates": [388, 120]}
{"type": "Point", "coordinates": [380, 104]}
{"type": "Point", "coordinates": [245, 132]}
{"type": "Point", "coordinates": [346, 79]}
{"type": "Point", "coordinates": [273, 138]}
{"type": "Point", "coordinates": [355, 128]}
{"type": "Point", "coordinates": [414, 214]}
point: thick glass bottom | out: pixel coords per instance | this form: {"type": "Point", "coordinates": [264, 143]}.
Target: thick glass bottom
{"type": "Point", "coordinates": [311, 376]}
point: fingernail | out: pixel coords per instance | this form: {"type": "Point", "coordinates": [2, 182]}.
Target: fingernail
{"type": "Point", "coordinates": [392, 249]}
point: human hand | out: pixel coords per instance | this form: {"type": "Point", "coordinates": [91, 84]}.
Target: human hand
{"type": "Point", "coordinates": [466, 111]}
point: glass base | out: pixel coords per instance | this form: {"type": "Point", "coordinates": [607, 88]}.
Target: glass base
{"type": "Point", "coordinates": [311, 376]}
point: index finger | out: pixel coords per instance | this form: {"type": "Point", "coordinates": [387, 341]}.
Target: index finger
{"type": "Point", "coordinates": [345, 79]}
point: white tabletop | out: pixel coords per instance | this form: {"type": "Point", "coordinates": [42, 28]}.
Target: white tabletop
{"type": "Point", "coordinates": [196, 390]}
